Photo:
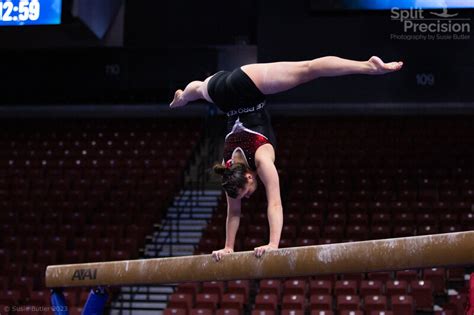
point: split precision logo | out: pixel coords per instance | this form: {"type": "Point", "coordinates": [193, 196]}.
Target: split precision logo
{"type": "Point", "coordinates": [84, 274]}
{"type": "Point", "coordinates": [416, 21]}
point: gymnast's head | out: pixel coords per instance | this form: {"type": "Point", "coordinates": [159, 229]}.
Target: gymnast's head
{"type": "Point", "coordinates": [238, 180]}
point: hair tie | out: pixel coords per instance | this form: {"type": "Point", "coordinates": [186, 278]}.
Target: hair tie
{"type": "Point", "coordinates": [228, 164]}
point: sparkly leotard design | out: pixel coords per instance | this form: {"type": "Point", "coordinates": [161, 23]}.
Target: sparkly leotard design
{"type": "Point", "coordinates": [245, 140]}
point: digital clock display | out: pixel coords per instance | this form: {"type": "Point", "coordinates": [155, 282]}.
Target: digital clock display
{"type": "Point", "coordinates": [30, 12]}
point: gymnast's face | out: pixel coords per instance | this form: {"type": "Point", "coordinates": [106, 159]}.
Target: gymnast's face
{"type": "Point", "coordinates": [249, 188]}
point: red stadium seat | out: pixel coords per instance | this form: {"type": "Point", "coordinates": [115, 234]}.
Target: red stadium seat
{"type": "Point", "coordinates": [266, 301]}
{"type": "Point", "coordinates": [371, 287]}
{"type": "Point", "coordinates": [287, 242]}
{"type": "Point", "coordinates": [381, 276]}
{"type": "Point", "coordinates": [12, 243]}
{"type": "Point", "coordinates": [240, 287]}
{"type": "Point", "coordinates": [333, 231]}
{"type": "Point", "coordinates": [427, 230]}
{"type": "Point", "coordinates": [375, 303]}
{"type": "Point", "coordinates": [270, 286]}
{"type": "Point", "coordinates": [289, 231]}
{"type": "Point", "coordinates": [313, 219]}
{"type": "Point", "coordinates": [175, 311]}
{"type": "Point", "coordinates": [25, 285]}
{"type": "Point", "coordinates": [357, 277]}
{"type": "Point", "coordinates": [322, 312]}
{"type": "Point", "coordinates": [39, 298]}
{"type": "Point", "coordinates": [83, 243]}
{"type": "Point", "coordinates": [4, 283]}
{"type": "Point", "coordinates": [451, 228]}
{"type": "Point", "coordinates": [345, 287]}
{"type": "Point", "coordinates": [407, 275]}
{"type": "Point", "coordinates": [216, 287]}
{"type": "Point", "coordinates": [97, 256]}
{"type": "Point", "coordinates": [24, 255]}
{"type": "Point", "coordinates": [227, 311]}
{"type": "Point", "coordinates": [10, 297]}
{"type": "Point", "coordinates": [320, 287]}
{"type": "Point", "coordinates": [336, 213]}
{"type": "Point", "coordinates": [457, 303]}
{"type": "Point", "coordinates": [256, 231]}
{"type": "Point", "coordinates": [320, 302]}
{"type": "Point", "coordinates": [233, 301]}
{"type": "Point", "coordinates": [347, 302]}
{"type": "Point", "coordinates": [381, 217]}
{"type": "Point", "coordinates": [295, 286]}
{"type": "Point", "coordinates": [403, 305]}
{"type": "Point", "coordinates": [207, 245]}
{"type": "Point", "coordinates": [357, 232]}
{"type": "Point", "coordinates": [263, 312]}
{"type": "Point", "coordinates": [404, 231]}
{"type": "Point", "coordinates": [306, 241]}
{"type": "Point", "coordinates": [104, 243]}
{"type": "Point", "coordinates": [426, 218]}
{"type": "Point", "coordinates": [309, 231]}
{"type": "Point", "coordinates": [181, 301]}
{"type": "Point", "coordinates": [380, 232]}
{"type": "Point", "coordinates": [455, 274]}
{"type": "Point", "coordinates": [201, 311]}
{"type": "Point", "coordinates": [437, 276]}
{"type": "Point", "coordinates": [13, 270]}
{"type": "Point", "coordinates": [251, 242]}
{"type": "Point", "coordinates": [207, 301]}
{"type": "Point", "coordinates": [293, 302]}
{"type": "Point", "coordinates": [422, 292]}
{"type": "Point", "coordinates": [189, 288]}
{"type": "Point", "coordinates": [351, 312]}
{"type": "Point", "coordinates": [396, 287]}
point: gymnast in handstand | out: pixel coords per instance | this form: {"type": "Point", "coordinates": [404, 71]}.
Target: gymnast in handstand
{"type": "Point", "coordinates": [249, 151]}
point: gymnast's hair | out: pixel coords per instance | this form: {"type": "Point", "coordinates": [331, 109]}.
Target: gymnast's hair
{"type": "Point", "coordinates": [233, 177]}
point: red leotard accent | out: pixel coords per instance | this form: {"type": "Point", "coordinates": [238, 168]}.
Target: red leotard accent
{"type": "Point", "coordinates": [470, 305]}
{"type": "Point", "coordinates": [246, 140]}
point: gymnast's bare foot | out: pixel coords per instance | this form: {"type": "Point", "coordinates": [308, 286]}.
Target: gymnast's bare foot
{"type": "Point", "coordinates": [178, 100]}
{"type": "Point", "coordinates": [377, 66]}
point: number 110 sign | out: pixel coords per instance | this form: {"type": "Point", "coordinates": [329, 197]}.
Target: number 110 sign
{"type": "Point", "coordinates": [30, 12]}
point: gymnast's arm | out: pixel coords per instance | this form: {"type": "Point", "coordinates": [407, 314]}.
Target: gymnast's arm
{"type": "Point", "coordinates": [232, 225]}
{"type": "Point", "coordinates": [268, 174]}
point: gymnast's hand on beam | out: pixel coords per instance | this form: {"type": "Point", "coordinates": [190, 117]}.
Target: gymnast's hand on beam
{"type": "Point", "coordinates": [379, 67]}
{"type": "Point", "coordinates": [259, 251]}
{"type": "Point", "coordinates": [218, 254]}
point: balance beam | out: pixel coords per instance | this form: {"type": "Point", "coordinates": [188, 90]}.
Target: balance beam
{"type": "Point", "coordinates": [451, 249]}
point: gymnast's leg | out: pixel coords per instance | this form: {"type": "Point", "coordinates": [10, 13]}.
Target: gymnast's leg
{"type": "Point", "coordinates": [277, 77]}
{"type": "Point", "coordinates": [195, 90]}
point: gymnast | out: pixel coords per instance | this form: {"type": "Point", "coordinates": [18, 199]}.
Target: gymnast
{"type": "Point", "coordinates": [249, 151]}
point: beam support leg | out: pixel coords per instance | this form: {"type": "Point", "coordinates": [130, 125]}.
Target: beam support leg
{"type": "Point", "coordinates": [96, 302]}
{"type": "Point", "coordinates": [58, 302]}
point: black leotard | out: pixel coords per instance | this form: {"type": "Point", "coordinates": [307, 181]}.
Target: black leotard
{"type": "Point", "coordinates": [238, 96]}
